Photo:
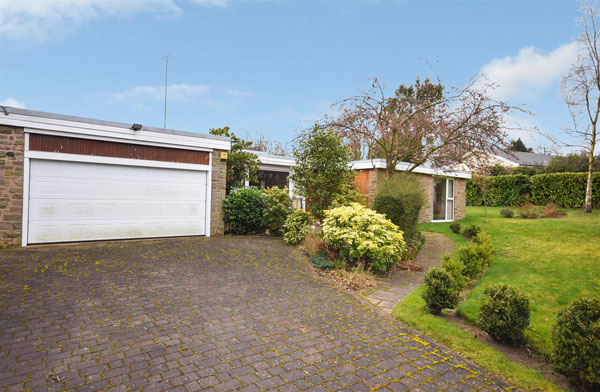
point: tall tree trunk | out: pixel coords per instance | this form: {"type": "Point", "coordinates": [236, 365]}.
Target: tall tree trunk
{"type": "Point", "coordinates": [587, 207]}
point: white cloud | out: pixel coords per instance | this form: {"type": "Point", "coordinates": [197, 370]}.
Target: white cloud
{"type": "Point", "coordinates": [12, 102]}
{"type": "Point", "coordinates": [176, 93]}
{"type": "Point", "coordinates": [143, 97]}
{"type": "Point", "coordinates": [39, 20]}
{"type": "Point", "coordinates": [529, 72]}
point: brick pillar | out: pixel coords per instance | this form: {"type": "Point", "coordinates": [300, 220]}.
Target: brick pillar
{"type": "Point", "coordinates": [460, 201]}
{"type": "Point", "coordinates": [11, 184]}
{"type": "Point", "coordinates": [219, 177]}
{"type": "Point", "coordinates": [426, 214]}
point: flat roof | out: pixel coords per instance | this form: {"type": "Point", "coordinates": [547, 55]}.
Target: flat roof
{"type": "Point", "coordinates": [379, 163]}
{"type": "Point", "coordinates": [64, 117]}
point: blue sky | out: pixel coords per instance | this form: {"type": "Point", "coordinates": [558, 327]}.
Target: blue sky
{"type": "Point", "coordinates": [274, 66]}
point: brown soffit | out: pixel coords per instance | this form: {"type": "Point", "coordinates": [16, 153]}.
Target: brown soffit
{"type": "Point", "coordinates": [70, 145]}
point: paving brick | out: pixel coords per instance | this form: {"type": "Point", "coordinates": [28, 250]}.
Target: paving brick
{"type": "Point", "coordinates": [219, 313]}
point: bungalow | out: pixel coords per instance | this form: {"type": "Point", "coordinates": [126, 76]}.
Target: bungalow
{"type": "Point", "coordinates": [67, 178]}
{"type": "Point", "coordinates": [444, 189]}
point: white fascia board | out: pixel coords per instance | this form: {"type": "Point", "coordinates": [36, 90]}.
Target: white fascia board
{"type": "Point", "coordinates": [377, 163]}
{"type": "Point", "coordinates": [277, 168]}
{"type": "Point", "coordinates": [34, 124]}
{"type": "Point", "coordinates": [404, 166]}
{"type": "Point", "coordinates": [269, 159]}
{"type": "Point", "coordinates": [58, 156]}
{"type": "Point", "coordinates": [285, 162]}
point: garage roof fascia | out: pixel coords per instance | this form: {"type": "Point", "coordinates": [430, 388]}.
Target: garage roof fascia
{"type": "Point", "coordinates": [59, 124]}
{"type": "Point", "coordinates": [379, 163]}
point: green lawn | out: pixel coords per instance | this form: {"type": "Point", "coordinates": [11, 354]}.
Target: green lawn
{"type": "Point", "coordinates": [411, 311]}
{"type": "Point", "coordinates": [553, 260]}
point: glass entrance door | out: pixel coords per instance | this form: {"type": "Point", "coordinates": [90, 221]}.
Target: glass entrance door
{"type": "Point", "coordinates": [443, 199]}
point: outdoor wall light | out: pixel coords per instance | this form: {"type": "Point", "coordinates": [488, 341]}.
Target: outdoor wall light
{"type": "Point", "coordinates": [10, 154]}
{"type": "Point", "coordinates": [136, 127]}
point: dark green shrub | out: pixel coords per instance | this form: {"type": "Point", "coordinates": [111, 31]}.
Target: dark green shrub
{"type": "Point", "coordinates": [244, 211]}
{"type": "Point", "coordinates": [566, 190]}
{"type": "Point", "coordinates": [296, 226]}
{"type": "Point", "coordinates": [400, 198]}
{"type": "Point", "coordinates": [471, 231]}
{"type": "Point", "coordinates": [277, 208]}
{"type": "Point", "coordinates": [473, 194]}
{"type": "Point", "coordinates": [507, 213]}
{"type": "Point", "coordinates": [321, 261]}
{"type": "Point", "coordinates": [576, 342]}
{"type": "Point", "coordinates": [456, 227]}
{"type": "Point", "coordinates": [455, 269]}
{"type": "Point", "coordinates": [322, 172]}
{"type": "Point", "coordinates": [506, 190]}
{"type": "Point", "coordinates": [572, 163]}
{"type": "Point", "coordinates": [504, 313]}
{"type": "Point", "coordinates": [440, 292]}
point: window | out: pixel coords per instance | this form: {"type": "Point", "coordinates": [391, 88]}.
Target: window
{"type": "Point", "coordinates": [443, 199]}
{"type": "Point", "coordinates": [270, 178]}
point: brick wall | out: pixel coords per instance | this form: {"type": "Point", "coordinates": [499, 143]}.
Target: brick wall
{"type": "Point", "coordinates": [219, 177]}
{"type": "Point", "coordinates": [11, 184]}
{"type": "Point", "coordinates": [426, 215]}
{"type": "Point", "coordinates": [460, 199]}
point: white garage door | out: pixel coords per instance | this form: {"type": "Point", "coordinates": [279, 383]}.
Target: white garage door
{"type": "Point", "coordinates": [74, 201]}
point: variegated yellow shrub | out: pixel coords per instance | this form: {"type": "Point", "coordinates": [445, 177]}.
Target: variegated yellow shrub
{"type": "Point", "coordinates": [361, 234]}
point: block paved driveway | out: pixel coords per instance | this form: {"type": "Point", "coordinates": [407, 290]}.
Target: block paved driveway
{"type": "Point", "coordinates": [191, 314]}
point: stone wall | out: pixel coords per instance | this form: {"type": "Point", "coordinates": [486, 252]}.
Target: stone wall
{"type": "Point", "coordinates": [12, 139]}
{"type": "Point", "coordinates": [219, 178]}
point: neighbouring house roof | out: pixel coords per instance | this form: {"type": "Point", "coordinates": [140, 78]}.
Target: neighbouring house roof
{"type": "Point", "coordinates": [53, 122]}
{"type": "Point", "coordinates": [526, 158]}
{"type": "Point", "coordinates": [404, 166]}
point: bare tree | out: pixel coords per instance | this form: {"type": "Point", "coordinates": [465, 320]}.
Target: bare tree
{"type": "Point", "coordinates": [264, 143]}
{"type": "Point", "coordinates": [424, 123]}
{"type": "Point", "coordinates": [580, 89]}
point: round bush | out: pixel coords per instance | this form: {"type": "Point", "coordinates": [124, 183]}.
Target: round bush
{"type": "Point", "coordinates": [296, 226]}
{"type": "Point", "coordinates": [456, 227]}
{"type": "Point", "coordinates": [440, 292]}
{"type": "Point", "coordinates": [278, 206]}
{"type": "Point", "coordinates": [455, 269]}
{"type": "Point", "coordinates": [471, 231]}
{"type": "Point", "coordinates": [244, 210]}
{"type": "Point", "coordinates": [507, 213]}
{"type": "Point", "coordinates": [400, 198]}
{"type": "Point", "coordinates": [504, 313]}
{"type": "Point", "coordinates": [469, 255]}
{"type": "Point", "coordinates": [482, 244]}
{"type": "Point", "coordinates": [576, 342]}
{"type": "Point", "coordinates": [361, 234]}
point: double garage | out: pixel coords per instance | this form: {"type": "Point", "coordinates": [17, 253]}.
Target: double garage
{"type": "Point", "coordinates": [93, 180]}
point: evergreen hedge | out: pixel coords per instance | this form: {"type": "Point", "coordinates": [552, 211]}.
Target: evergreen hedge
{"type": "Point", "coordinates": [567, 190]}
